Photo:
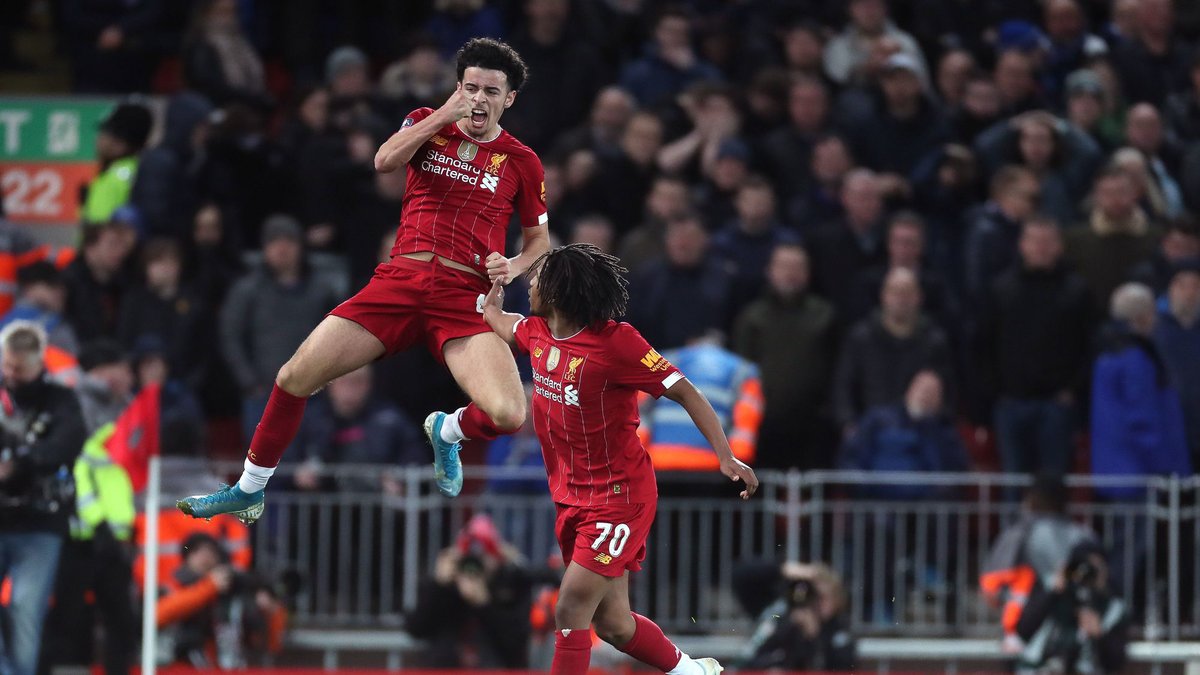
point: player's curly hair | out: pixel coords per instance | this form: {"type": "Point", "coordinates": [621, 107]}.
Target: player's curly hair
{"type": "Point", "coordinates": [493, 55]}
{"type": "Point", "coordinates": [584, 284]}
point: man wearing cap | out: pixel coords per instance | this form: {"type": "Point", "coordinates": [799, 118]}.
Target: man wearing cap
{"type": "Point", "coordinates": [1087, 108]}
{"type": "Point", "coordinates": [122, 136]}
{"type": "Point", "coordinates": [902, 128]}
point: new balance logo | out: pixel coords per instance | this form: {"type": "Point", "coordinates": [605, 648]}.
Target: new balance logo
{"type": "Point", "coordinates": [571, 396]}
{"type": "Point", "coordinates": [490, 181]}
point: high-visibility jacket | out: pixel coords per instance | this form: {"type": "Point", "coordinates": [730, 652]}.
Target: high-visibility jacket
{"type": "Point", "coordinates": [1031, 550]}
{"type": "Point", "coordinates": [103, 493]}
{"type": "Point", "coordinates": [110, 190]}
{"type": "Point", "coordinates": [731, 385]}
{"type": "Point", "coordinates": [175, 527]}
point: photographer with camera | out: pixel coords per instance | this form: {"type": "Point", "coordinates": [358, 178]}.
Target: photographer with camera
{"type": "Point", "coordinates": [213, 616]}
{"type": "Point", "coordinates": [1075, 625]}
{"type": "Point", "coordinates": [475, 610]}
{"type": "Point", "coordinates": [41, 435]}
{"type": "Point", "coordinates": [806, 627]}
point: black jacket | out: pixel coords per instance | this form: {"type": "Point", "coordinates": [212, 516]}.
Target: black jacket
{"type": "Point", "coordinates": [1035, 334]}
{"type": "Point", "coordinates": [497, 632]}
{"type": "Point", "coordinates": [1050, 629]}
{"type": "Point", "coordinates": [42, 426]}
{"type": "Point", "coordinates": [670, 305]}
{"type": "Point", "coordinates": [875, 367]}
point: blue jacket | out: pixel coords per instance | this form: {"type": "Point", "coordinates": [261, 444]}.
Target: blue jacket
{"type": "Point", "coordinates": [1180, 348]}
{"type": "Point", "coordinates": [1137, 420]}
{"type": "Point", "coordinates": [654, 81]}
{"type": "Point", "coordinates": [888, 439]}
{"type": "Point", "coordinates": [521, 449]}
{"type": "Point", "coordinates": [721, 376]}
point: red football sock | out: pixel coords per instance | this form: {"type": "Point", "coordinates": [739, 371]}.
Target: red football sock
{"type": "Point", "coordinates": [277, 428]}
{"type": "Point", "coordinates": [572, 652]}
{"type": "Point", "coordinates": [476, 425]}
{"type": "Point", "coordinates": [650, 646]}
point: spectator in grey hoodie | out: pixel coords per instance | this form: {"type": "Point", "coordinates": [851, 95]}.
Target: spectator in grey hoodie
{"type": "Point", "coordinates": [269, 312]}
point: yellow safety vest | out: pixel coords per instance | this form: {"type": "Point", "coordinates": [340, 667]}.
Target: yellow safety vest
{"type": "Point", "coordinates": [103, 492]}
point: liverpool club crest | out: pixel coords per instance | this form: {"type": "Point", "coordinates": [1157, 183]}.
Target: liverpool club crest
{"type": "Point", "coordinates": [467, 151]}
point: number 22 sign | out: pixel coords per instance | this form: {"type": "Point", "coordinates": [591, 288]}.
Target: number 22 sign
{"type": "Point", "coordinates": [43, 192]}
{"type": "Point", "coordinates": [47, 155]}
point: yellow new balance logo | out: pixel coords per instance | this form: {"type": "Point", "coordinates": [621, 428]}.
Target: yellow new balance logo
{"type": "Point", "coordinates": [603, 558]}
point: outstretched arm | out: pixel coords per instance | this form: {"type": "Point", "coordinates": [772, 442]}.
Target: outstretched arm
{"type": "Point", "coordinates": [501, 322]}
{"type": "Point", "coordinates": [701, 411]}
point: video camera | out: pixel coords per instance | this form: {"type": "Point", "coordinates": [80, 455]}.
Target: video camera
{"type": "Point", "coordinates": [1081, 583]}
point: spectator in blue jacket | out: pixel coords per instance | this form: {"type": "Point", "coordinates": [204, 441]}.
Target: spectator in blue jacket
{"type": "Point", "coordinates": [1177, 336]}
{"type": "Point", "coordinates": [1137, 420]}
{"type": "Point", "coordinates": [915, 435]}
{"type": "Point", "coordinates": [669, 63]}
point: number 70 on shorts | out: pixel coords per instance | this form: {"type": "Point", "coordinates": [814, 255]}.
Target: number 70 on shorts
{"type": "Point", "coordinates": [619, 536]}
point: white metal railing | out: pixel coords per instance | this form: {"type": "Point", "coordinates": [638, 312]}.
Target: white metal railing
{"type": "Point", "coordinates": [911, 567]}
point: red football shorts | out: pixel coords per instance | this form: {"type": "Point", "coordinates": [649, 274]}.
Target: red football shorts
{"type": "Point", "coordinates": [607, 539]}
{"type": "Point", "coordinates": [409, 300]}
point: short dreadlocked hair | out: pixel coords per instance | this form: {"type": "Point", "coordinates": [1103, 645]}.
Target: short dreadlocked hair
{"type": "Point", "coordinates": [492, 54]}
{"type": "Point", "coordinates": [582, 283]}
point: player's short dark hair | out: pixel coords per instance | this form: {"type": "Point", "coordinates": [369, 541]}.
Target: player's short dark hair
{"type": "Point", "coordinates": [492, 54]}
{"type": "Point", "coordinates": [582, 283]}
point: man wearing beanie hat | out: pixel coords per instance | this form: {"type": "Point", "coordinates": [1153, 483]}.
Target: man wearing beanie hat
{"type": "Point", "coordinates": [122, 136]}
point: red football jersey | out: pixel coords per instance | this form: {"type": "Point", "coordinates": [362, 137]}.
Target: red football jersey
{"type": "Point", "coordinates": [460, 194]}
{"type": "Point", "coordinates": [585, 410]}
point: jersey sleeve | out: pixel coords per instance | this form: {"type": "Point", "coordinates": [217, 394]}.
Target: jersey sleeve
{"type": "Point", "coordinates": [531, 194]}
{"type": "Point", "coordinates": [522, 334]}
{"type": "Point", "coordinates": [640, 366]}
{"type": "Point", "coordinates": [415, 116]}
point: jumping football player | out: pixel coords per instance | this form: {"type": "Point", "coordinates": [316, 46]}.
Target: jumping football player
{"type": "Point", "coordinates": [466, 176]}
{"type": "Point", "coordinates": [587, 372]}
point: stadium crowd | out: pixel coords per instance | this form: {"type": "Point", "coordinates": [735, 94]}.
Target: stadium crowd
{"type": "Point", "coordinates": [845, 195]}
{"type": "Point", "coordinates": [880, 235]}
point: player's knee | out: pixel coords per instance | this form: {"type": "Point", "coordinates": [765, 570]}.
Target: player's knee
{"type": "Point", "coordinates": [569, 611]}
{"type": "Point", "coordinates": [291, 378]}
{"type": "Point", "coordinates": [615, 630]}
{"type": "Point", "coordinates": [509, 415]}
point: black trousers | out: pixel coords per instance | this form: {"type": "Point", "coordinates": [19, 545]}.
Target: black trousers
{"type": "Point", "coordinates": [103, 567]}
